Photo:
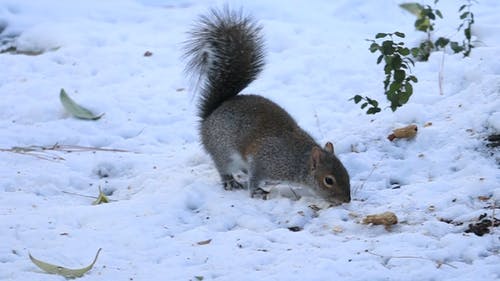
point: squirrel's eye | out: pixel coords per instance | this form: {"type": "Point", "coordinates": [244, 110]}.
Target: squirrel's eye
{"type": "Point", "coordinates": [329, 181]}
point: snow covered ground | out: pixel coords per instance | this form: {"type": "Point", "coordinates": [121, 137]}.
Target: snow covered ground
{"type": "Point", "coordinates": [166, 192]}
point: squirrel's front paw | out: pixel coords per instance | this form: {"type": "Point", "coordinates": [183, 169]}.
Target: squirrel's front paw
{"type": "Point", "coordinates": [259, 193]}
{"type": "Point", "coordinates": [232, 184]}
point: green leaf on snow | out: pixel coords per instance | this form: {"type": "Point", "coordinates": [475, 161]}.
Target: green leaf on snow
{"type": "Point", "coordinates": [63, 271]}
{"type": "Point", "coordinates": [76, 110]}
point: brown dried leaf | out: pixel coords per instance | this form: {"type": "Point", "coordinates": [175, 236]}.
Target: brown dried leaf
{"type": "Point", "coordinates": [204, 242]}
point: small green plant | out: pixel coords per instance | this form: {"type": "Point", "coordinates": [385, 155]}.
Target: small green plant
{"type": "Point", "coordinates": [467, 18]}
{"type": "Point", "coordinates": [398, 81]}
{"type": "Point", "coordinates": [398, 86]}
{"type": "Point", "coordinates": [367, 101]}
{"type": "Point", "coordinates": [425, 22]}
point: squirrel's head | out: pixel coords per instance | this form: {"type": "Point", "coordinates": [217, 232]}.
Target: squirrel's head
{"type": "Point", "coordinates": [331, 180]}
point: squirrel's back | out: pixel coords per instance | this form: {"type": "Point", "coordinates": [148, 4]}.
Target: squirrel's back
{"type": "Point", "coordinates": [226, 53]}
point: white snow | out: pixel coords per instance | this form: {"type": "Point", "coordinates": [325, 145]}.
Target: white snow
{"type": "Point", "coordinates": [166, 192]}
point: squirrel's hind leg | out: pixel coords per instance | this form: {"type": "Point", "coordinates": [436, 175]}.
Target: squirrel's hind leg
{"type": "Point", "coordinates": [227, 165]}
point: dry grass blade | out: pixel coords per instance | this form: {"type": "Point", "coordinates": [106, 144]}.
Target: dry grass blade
{"type": "Point", "coordinates": [33, 151]}
{"type": "Point", "coordinates": [46, 152]}
{"type": "Point", "coordinates": [386, 259]}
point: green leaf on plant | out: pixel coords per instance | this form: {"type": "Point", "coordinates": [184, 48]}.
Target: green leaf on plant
{"type": "Point", "coordinates": [467, 33]}
{"type": "Point", "coordinates": [76, 110]}
{"type": "Point", "coordinates": [396, 62]}
{"type": "Point", "coordinates": [387, 47]}
{"type": "Point", "coordinates": [399, 34]}
{"type": "Point", "coordinates": [423, 24]}
{"type": "Point", "coordinates": [412, 78]}
{"type": "Point", "coordinates": [63, 271]}
{"type": "Point", "coordinates": [404, 51]}
{"type": "Point", "coordinates": [391, 96]}
{"type": "Point", "coordinates": [373, 110]}
{"type": "Point", "coordinates": [456, 48]}
{"type": "Point", "coordinates": [399, 75]}
{"type": "Point", "coordinates": [414, 8]}
{"type": "Point", "coordinates": [442, 42]}
{"type": "Point", "coordinates": [373, 103]}
{"type": "Point", "coordinates": [380, 35]}
{"type": "Point", "coordinates": [379, 59]}
{"type": "Point", "coordinates": [395, 87]}
{"type": "Point", "coordinates": [405, 96]}
{"type": "Point", "coordinates": [438, 13]}
{"type": "Point", "coordinates": [357, 98]}
{"type": "Point", "coordinates": [430, 14]}
{"type": "Point", "coordinates": [388, 66]}
{"type": "Point", "coordinates": [374, 47]}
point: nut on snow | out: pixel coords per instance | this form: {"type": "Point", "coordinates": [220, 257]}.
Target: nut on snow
{"type": "Point", "coordinates": [386, 218]}
{"type": "Point", "coordinates": [405, 133]}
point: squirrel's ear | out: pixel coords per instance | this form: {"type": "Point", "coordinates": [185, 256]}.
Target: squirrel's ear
{"type": "Point", "coordinates": [315, 157]}
{"type": "Point", "coordinates": [329, 147]}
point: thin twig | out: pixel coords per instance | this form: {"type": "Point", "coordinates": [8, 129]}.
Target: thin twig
{"type": "Point", "coordinates": [318, 124]}
{"type": "Point", "coordinates": [369, 175]}
{"type": "Point", "coordinates": [33, 152]}
{"type": "Point", "coordinates": [41, 152]}
{"type": "Point", "coordinates": [440, 77]}
{"type": "Point", "coordinates": [77, 148]}
{"type": "Point", "coordinates": [87, 196]}
{"type": "Point", "coordinates": [439, 263]}
{"type": "Point", "coordinates": [77, 194]}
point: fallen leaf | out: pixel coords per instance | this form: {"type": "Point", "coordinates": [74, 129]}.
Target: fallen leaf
{"type": "Point", "coordinates": [76, 110]}
{"type": "Point", "coordinates": [63, 271]}
{"type": "Point", "coordinates": [101, 198]}
{"type": "Point", "coordinates": [205, 242]}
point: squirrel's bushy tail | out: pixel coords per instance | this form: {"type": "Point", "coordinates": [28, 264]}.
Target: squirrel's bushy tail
{"type": "Point", "coordinates": [225, 53]}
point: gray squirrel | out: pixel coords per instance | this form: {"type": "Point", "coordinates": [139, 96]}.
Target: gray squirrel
{"type": "Point", "coordinates": [249, 133]}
